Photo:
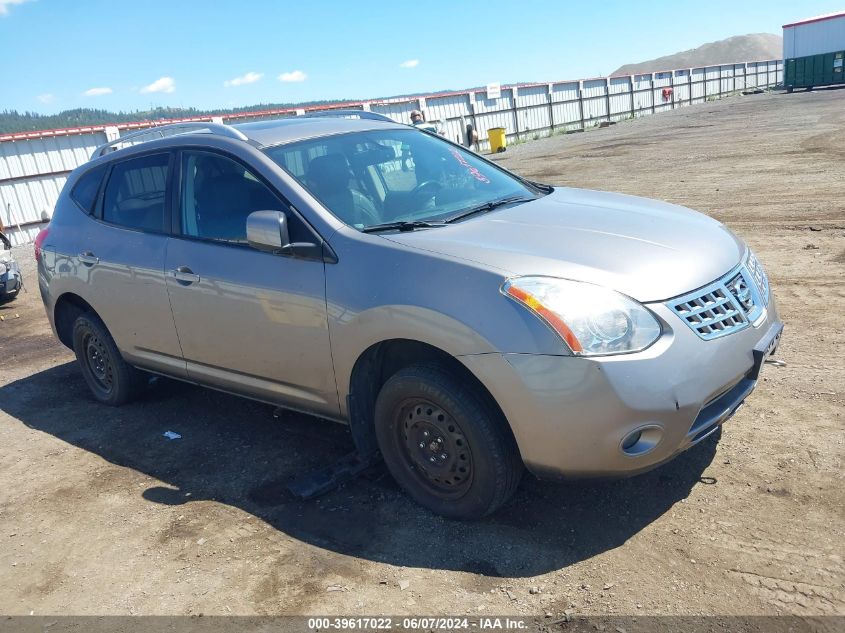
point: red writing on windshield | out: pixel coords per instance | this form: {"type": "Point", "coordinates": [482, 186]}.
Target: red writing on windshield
{"type": "Point", "coordinates": [472, 170]}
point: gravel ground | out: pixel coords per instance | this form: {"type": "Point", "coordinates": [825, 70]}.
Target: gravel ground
{"type": "Point", "coordinates": [100, 514]}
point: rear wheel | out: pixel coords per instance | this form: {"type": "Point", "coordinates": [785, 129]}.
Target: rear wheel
{"type": "Point", "coordinates": [111, 379]}
{"type": "Point", "coordinates": [444, 444]}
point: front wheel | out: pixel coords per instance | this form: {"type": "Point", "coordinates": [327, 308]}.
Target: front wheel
{"type": "Point", "coordinates": [111, 379]}
{"type": "Point", "coordinates": [445, 444]}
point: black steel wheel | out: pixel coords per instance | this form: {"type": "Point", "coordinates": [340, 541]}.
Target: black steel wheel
{"type": "Point", "coordinates": [97, 362]}
{"type": "Point", "coordinates": [110, 378]}
{"type": "Point", "coordinates": [445, 443]}
{"type": "Point", "coordinates": [436, 446]}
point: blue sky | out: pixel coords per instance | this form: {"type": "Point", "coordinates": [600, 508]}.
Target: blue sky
{"type": "Point", "coordinates": [124, 55]}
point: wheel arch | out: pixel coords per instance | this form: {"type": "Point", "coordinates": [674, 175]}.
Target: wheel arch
{"type": "Point", "coordinates": [65, 311]}
{"type": "Point", "coordinates": [383, 359]}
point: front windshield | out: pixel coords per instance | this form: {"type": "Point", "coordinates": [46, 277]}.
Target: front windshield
{"type": "Point", "coordinates": [377, 177]}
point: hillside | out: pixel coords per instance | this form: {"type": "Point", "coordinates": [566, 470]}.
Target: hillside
{"type": "Point", "coordinates": [740, 48]}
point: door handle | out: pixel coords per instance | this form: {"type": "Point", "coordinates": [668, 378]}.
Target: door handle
{"type": "Point", "coordinates": [88, 258]}
{"type": "Point", "coordinates": [185, 275]}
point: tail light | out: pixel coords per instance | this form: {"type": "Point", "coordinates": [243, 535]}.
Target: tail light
{"type": "Point", "coordinates": [39, 241]}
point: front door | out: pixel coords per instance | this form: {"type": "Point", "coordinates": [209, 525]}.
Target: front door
{"type": "Point", "coordinates": [249, 322]}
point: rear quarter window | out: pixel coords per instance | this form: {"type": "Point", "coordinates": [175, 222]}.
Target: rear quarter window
{"type": "Point", "coordinates": [84, 192]}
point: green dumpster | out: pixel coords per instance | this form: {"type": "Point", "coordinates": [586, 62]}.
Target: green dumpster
{"type": "Point", "coordinates": [814, 71]}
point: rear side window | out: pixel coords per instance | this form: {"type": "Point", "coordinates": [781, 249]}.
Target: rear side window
{"type": "Point", "coordinates": [84, 193]}
{"type": "Point", "coordinates": [134, 195]}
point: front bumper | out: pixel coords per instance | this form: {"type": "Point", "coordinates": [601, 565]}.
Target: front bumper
{"type": "Point", "coordinates": [621, 415]}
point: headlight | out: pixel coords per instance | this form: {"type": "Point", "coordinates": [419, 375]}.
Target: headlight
{"type": "Point", "coordinates": [3, 268]}
{"type": "Point", "coordinates": [592, 320]}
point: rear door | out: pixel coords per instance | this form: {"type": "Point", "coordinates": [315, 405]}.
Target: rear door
{"type": "Point", "coordinates": [249, 322]}
{"type": "Point", "coordinates": [124, 253]}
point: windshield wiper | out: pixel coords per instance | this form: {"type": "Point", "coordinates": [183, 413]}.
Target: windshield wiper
{"type": "Point", "coordinates": [402, 226]}
{"type": "Point", "coordinates": [488, 206]}
{"type": "Point", "coordinates": [541, 186]}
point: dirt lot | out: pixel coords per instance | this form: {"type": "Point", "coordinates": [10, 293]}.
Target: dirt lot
{"type": "Point", "coordinates": [101, 514]}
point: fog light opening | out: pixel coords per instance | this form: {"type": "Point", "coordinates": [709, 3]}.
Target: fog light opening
{"type": "Point", "coordinates": [641, 441]}
{"type": "Point", "coordinates": [632, 439]}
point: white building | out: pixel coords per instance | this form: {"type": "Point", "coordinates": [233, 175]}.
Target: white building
{"type": "Point", "coordinates": [814, 36]}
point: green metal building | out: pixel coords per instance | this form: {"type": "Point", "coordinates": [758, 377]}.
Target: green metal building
{"type": "Point", "coordinates": [814, 52]}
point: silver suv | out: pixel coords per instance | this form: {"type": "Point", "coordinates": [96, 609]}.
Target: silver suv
{"type": "Point", "coordinates": [465, 322]}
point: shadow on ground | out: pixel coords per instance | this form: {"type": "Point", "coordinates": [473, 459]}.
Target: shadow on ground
{"type": "Point", "coordinates": [234, 451]}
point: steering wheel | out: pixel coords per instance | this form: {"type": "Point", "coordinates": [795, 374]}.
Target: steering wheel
{"type": "Point", "coordinates": [426, 184]}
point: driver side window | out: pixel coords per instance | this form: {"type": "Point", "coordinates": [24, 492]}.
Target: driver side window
{"type": "Point", "coordinates": [217, 195]}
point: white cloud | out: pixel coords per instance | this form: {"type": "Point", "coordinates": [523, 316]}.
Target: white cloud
{"type": "Point", "coordinates": [294, 75]}
{"type": "Point", "coordinates": [249, 78]}
{"type": "Point", "coordinates": [411, 63]}
{"type": "Point", "coordinates": [97, 92]}
{"type": "Point", "coordinates": [46, 98]}
{"type": "Point", "coordinates": [5, 4]}
{"type": "Point", "coordinates": [164, 84]}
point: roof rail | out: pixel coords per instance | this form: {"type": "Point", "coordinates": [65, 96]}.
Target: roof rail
{"type": "Point", "coordinates": [202, 127]}
{"type": "Point", "coordinates": [361, 114]}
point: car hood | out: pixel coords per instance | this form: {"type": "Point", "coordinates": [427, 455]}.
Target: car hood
{"type": "Point", "coordinates": [646, 249]}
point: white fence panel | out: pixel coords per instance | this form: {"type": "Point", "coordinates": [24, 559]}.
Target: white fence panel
{"type": "Point", "coordinates": [698, 84]}
{"type": "Point", "coordinates": [681, 87]}
{"type": "Point", "coordinates": [449, 107]}
{"type": "Point", "coordinates": [568, 91]}
{"type": "Point", "coordinates": [398, 111]}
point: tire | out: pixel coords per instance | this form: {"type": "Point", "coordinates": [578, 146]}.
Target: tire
{"type": "Point", "coordinates": [449, 449]}
{"type": "Point", "coordinates": [111, 379]}
{"type": "Point", "coordinates": [10, 297]}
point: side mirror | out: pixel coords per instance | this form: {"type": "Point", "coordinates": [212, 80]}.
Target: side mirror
{"type": "Point", "coordinates": [267, 231]}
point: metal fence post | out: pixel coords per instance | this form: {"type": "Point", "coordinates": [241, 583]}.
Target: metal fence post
{"type": "Point", "coordinates": [550, 92]}
{"type": "Point", "coordinates": [581, 103]}
{"type": "Point", "coordinates": [651, 89]}
{"type": "Point", "coordinates": [689, 83]}
{"type": "Point", "coordinates": [515, 111]}
{"type": "Point", "coordinates": [631, 86]}
{"type": "Point", "coordinates": [607, 97]}
{"type": "Point", "coordinates": [672, 88]}
{"type": "Point", "coordinates": [472, 114]}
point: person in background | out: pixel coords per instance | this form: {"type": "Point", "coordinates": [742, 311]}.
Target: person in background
{"type": "Point", "coordinates": [5, 240]}
{"type": "Point", "coordinates": [418, 121]}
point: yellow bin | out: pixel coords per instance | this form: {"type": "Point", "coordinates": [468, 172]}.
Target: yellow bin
{"type": "Point", "coordinates": [497, 139]}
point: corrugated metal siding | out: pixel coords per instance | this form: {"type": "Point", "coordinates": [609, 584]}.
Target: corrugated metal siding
{"type": "Point", "coordinates": [620, 97]}
{"type": "Point", "coordinates": [49, 155]}
{"type": "Point", "coordinates": [398, 111]}
{"type": "Point", "coordinates": [32, 174]}
{"type": "Point", "coordinates": [825, 36]}
{"type": "Point", "coordinates": [682, 87]}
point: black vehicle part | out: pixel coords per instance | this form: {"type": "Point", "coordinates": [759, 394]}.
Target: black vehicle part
{"type": "Point", "coordinates": [443, 443]}
{"type": "Point", "coordinates": [111, 379]}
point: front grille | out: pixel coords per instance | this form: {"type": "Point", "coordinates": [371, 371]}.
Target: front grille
{"type": "Point", "coordinates": [738, 287]}
{"type": "Point", "coordinates": [728, 305]}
